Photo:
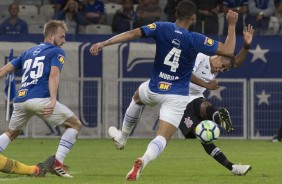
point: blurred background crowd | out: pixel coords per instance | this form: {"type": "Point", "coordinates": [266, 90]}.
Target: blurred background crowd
{"type": "Point", "coordinates": [116, 16]}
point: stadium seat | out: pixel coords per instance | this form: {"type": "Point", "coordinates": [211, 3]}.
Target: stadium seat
{"type": "Point", "coordinates": [29, 2]}
{"type": "Point", "coordinates": [33, 19]}
{"type": "Point", "coordinates": [47, 11]}
{"type": "Point", "coordinates": [28, 10]}
{"type": "Point", "coordinates": [6, 2]}
{"type": "Point", "coordinates": [35, 29]}
{"type": "Point", "coordinates": [274, 25]}
{"type": "Point", "coordinates": [3, 16]}
{"type": "Point", "coordinates": [111, 8]}
{"type": "Point", "coordinates": [4, 13]}
{"type": "Point", "coordinates": [98, 29]}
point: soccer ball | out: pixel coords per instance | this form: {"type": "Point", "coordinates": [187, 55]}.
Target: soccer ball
{"type": "Point", "coordinates": [207, 131]}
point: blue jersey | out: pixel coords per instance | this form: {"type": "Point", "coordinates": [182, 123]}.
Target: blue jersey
{"type": "Point", "coordinates": [20, 27]}
{"type": "Point", "coordinates": [35, 64]}
{"type": "Point", "coordinates": [176, 51]}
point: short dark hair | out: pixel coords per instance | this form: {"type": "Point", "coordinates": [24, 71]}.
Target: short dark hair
{"type": "Point", "coordinates": [185, 9]}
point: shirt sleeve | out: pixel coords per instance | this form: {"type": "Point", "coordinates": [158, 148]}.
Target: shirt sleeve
{"type": "Point", "coordinates": [17, 62]}
{"type": "Point", "coordinates": [58, 59]}
{"type": "Point", "coordinates": [150, 30]}
{"type": "Point", "coordinates": [204, 44]}
{"type": "Point", "coordinates": [200, 57]}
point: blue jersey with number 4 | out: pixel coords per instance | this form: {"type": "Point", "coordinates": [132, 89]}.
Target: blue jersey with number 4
{"type": "Point", "coordinates": [35, 64]}
{"type": "Point", "coordinates": [176, 51]}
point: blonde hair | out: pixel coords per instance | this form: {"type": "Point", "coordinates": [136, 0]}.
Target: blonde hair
{"type": "Point", "coordinates": [52, 26]}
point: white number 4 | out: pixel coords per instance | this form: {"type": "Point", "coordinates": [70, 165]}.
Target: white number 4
{"type": "Point", "coordinates": [175, 53]}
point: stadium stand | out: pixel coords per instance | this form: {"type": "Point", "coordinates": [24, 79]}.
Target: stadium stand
{"type": "Point", "coordinates": [28, 10]}
{"type": "Point", "coordinates": [98, 29]}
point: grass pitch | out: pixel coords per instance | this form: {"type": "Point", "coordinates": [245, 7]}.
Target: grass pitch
{"type": "Point", "coordinates": [95, 161]}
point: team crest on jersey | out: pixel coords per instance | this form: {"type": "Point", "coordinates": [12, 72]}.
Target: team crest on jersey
{"type": "Point", "coordinates": [22, 93]}
{"type": "Point", "coordinates": [152, 26]}
{"type": "Point", "coordinates": [188, 122]}
{"type": "Point", "coordinates": [164, 86]}
{"type": "Point", "coordinates": [61, 58]}
{"type": "Point", "coordinates": [37, 51]}
{"type": "Point", "coordinates": [209, 41]}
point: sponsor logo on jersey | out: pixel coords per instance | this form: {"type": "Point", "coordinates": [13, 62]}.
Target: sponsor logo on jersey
{"type": "Point", "coordinates": [61, 58]}
{"type": "Point", "coordinates": [176, 43]}
{"type": "Point", "coordinates": [22, 93]}
{"type": "Point", "coordinates": [164, 86]}
{"type": "Point", "coordinates": [152, 26]}
{"type": "Point", "coordinates": [37, 51]}
{"type": "Point", "coordinates": [209, 41]}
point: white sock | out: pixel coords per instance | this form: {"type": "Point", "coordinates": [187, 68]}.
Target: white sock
{"type": "Point", "coordinates": [66, 143]}
{"type": "Point", "coordinates": [4, 142]}
{"type": "Point", "coordinates": [154, 149]}
{"type": "Point", "coordinates": [130, 119]}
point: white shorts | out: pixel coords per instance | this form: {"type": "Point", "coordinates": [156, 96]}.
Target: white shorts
{"type": "Point", "coordinates": [25, 110]}
{"type": "Point", "coordinates": [172, 106]}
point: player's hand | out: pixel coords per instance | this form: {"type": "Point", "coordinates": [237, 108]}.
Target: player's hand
{"type": "Point", "coordinates": [248, 35]}
{"type": "Point", "coordinates": [232, 17]}
{"type": "Point", "coordinates": [96, 48]}
{"type": "Point", "coordinates": [212, 85]}
{"type": "Point", "coordinates": [48, 109]}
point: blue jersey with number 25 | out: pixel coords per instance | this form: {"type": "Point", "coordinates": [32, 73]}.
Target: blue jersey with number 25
{"type": "Point", "coordinates": [35, 64]}
{"type": "Point", "coordinates": [176, 51]}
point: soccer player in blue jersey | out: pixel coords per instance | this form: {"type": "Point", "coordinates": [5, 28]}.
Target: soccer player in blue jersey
{"type": "Point", "coordinates": [176, 51]}
{"type": "Point", "coordinates": [41, 66]}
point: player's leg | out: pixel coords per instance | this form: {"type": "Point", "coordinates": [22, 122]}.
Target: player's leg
{"type": "Point", "coordinates": [218, 155]}
{"type": "Point", "coordinates": [64, 117]}
{"type": "Point", "coordinates": [220, 116]}
{"type": "Point", "coordinates": [67, 141]}
{"type": "Point", "coordinates": [278, 137]}
{"type": "Point", "coordinates": [171, 112]}
{"type": "Point", "coordinates": [154, 149]}
{"type": "Point", "coordinates": [131, 118]}
{"type": "Point", "coordinates": [18, 121]}
{"type": "Point", "coordinates": [11, 166]}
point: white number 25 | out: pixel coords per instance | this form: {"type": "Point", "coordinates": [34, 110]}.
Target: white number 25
{"type": "Point", "coordinates": [37, 64]}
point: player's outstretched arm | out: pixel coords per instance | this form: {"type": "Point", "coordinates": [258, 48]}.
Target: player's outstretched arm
{"type": "Point", "coordinates": [8, 68]}
{"type": "Point", "coordinates": [248, 38]}
{"type": "Point", "coordinates": [123, 37]}
{"type": "Point", "coordinates": [211, 85]}
{"type": "Point", "coordinates": [227, 49]}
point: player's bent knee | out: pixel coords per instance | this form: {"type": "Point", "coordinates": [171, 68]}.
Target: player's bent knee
{"type": "Point", "coordinates": [73, 122]}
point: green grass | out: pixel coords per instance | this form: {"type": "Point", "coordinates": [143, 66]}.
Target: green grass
{"type": "Point", "coordinates": [184, 161]}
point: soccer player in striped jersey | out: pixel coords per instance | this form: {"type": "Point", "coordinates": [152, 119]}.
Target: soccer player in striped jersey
{"type": "Point", "coordinates": [198, 109]}
{"type": "Point", "coordinates": [41, 66]}
{"type": "Point", "coordinates": [176, 51]}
